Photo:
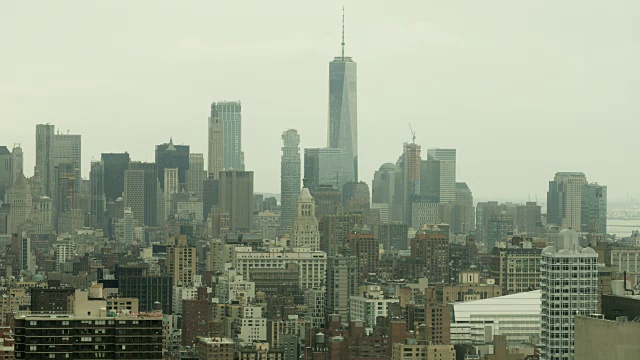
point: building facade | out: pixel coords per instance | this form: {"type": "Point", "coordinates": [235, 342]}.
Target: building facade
{"type": "Point", "coordinates": [289, 177]}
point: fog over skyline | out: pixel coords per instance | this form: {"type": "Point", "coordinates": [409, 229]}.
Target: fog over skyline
{"type": "Point", "coordinates": [521, 90]}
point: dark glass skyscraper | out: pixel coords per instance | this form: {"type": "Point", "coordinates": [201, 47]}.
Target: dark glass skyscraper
{"type": "Point", "coordinates": [172, 156]}
{"type": "Point", "coordinates": [114, 168]}
{"type": "Point", "coordinates": [343, 108]}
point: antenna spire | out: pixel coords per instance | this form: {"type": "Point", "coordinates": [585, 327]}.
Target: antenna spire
{"type": "Point", "coordinates": [343, 33]}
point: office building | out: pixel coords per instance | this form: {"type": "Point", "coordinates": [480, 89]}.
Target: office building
{"type": "Point", "coordinates": [500, 227]}
{"type": "Point", "coordinates": [228, 114]}
{"type": "Point", "coordinates": [393, 236]}
{"type": "Point", "coordinates": [134, 194]}
{"type": "Point", "coordinates": [289, 177]}
{"type": "Point", "coordinates": [67, 149]}
{"type": "Point", "coordinates": [181, 260]}
{"type": "Point", "coordinates": [594, 209]}
{"type": "Point", "coordinates": [171, 188]}
{"type": "Point", "coordinates": [20, 205]}
{"type": "Point", "coordinates": [342, 283]}
{"type": "Point", "coordinates": [383, 186]}
{"type": "Point", "coordinates": [430, 252]}
{"type": "Point", "coordinates": [146, 188]}
{"type": "Point", "coordinates": [327, 199]}
{"type": "Point", "coordinates": [196, 175]}
{"type": "Point", "coordinates": [98, 200]}
{"type": "Point", "coordinates": [569, 284]}
{"type": "Point", "coordinates": [235, 196]}
{"type": "Point", "coordinates": [335, 230]}
{"type": "Point", "coordinates": [231, 286]}
{"type": "Point", "coordinates": [564, 200]}
{"type": "Point", "coordinates": [215, 348]}
{"type": "Point", "coordinates": [17, 162]}
{"type": "Point", "coordinates": [196, 316]}
{"type": "Point", "coordinates": [136, 282]}
{"type": "Point", "coordinates": [128, 226]}
{"type": "Point", "coordinates": [6, 171]}
{"type": "Point", "coordinates": [172, 156]}
{"type": "Point", "coordinates": [326, 166]}
{"type": "Point", "coordinates": [528, 218]}
{"type": "Point", "coordinates": [215, 144]}
{"type": "Point", "coordinates": [343, 109]}
{"type": "Point", "coordinates": [370, 305]}
{"type": "Point", "coordinates": [597, 338]}
{"type": "Point", "coordinates": [304, 231]}
{"type": "Point", "coordinates": [366, 247]}
{"type": "Point", "coordinates": [411, 175]}
{"type": "Point", "coordinates": [516, 269]}
{"type": "Point", "coordinates": [439, 176]}
{"type": "Point", "coordinates": [414, 350]}
{"type": "Point", "coordinates": [114, 164]}
{"type": "Point", "coordinates": [44, 158]}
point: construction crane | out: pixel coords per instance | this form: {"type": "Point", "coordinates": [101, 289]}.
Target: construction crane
{"type": "Point", "coordinates": [413, 133]}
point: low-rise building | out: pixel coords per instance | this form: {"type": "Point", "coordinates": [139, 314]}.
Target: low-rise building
{"type": "Point", "coordinates": [371, 304]}
{"type": "Point", "coordinates": [215, 348]}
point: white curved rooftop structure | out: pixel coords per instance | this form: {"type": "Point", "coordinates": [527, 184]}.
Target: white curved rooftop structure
{"type": "Point", "coordinates": [526, 303]}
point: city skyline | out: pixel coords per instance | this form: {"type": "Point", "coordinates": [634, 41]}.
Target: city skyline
{"type": "Point", "coordinates": [458, 117]}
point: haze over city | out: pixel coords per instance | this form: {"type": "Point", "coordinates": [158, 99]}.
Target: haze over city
{"type": "Point", "coordinates": [521, 90]}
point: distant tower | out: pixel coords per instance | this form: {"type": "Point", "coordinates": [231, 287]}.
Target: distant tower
{"type": "Point", "coordinates": [6, 171]}
{"type": "Point", "coordinates": [343, 109]}
{"type": "Point", "coordinates": [128, 225]}
{"type": "Point", "coordinates": [134, 193]}
{"type": "Point", "coordinates": [196, 174]}
{"type": "Point", "coordinates": [169, 155]}
{"type": "Point", "coordinates": [114, 166]}
{"type": "Point", "coordinates": [229, 114]}
{"type": "Point", "coordinates": [149, 193]}
{"type": "Point", "coordinates": [235, 196]}
{"type": "Point", "coordinates": [569, 287]}
{"type": "Point", "coordinates": [411, 174]}
{"type": "Point", "coordinates": [215, 143]}
{"type": "Point", "coordinates": [98, 200]}
{"type": "Point", "coordinates": [304, 231]}
{"type": "Point", "coordinates": [20, 204]}
{"type": "Point", "coordinates": [67, 148]}
{"type": "Point", "coordinates": [289, 177]}
{"type": "Point", "coordinates": [171, 187]}
{"type": "Point", "coordinates": [44, 157]}
{"type": "Point", "coordinates": [439, 185]}
{"type": "Point", "coordinates": [594, 209]}
{"type": "Point", "coordinates": [17, 162]}
{"type": "Point", "coordinates": [564, 200]}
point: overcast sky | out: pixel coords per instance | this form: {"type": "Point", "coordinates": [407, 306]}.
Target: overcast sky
{"type": "Point", "coordinates": [521, 88]}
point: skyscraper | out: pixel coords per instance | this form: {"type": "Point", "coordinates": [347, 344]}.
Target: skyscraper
{"type": "Point", "coordinates": [569, 287]}
{"type": "Point", "coordinates": [17, 161]}
{"type": "Point", "coordinates": [411, 174]}
{"type": "Point", "coordinates": [342, 283]}
{"type": "Point", "coordinates": [6, 171]}
{"type": "Point", "coordinates": [343, 109]}
{"type": "Point", "coordinates": [114, 166]}
{"type": "Point", "coordinates": [594, 208]}
{"type": "Point", "coordinates": [98, 201]}
{"type": "Point", "coordinates": [20, 201]}
{"type": "Point", "coordinates": [196, 174]}
{"type": "Point", "coordinates": [149, 192]}
{"type": "Point", "coordinates": [44, 157]}
{"type": "Point", "coordinates": [305, 232]}
{"type": "Point", "coordinates": [134, 193]}
{"type": "Point", "coordinates": [229, 114]}
{"type": "Point", "coordinates": [67, 148]}
{"type": "Point", "coordinates": [289, 177]}
{"type": "Point", "coordinates": [430, 249]}
{"type": "Point", "coordinates": [564, 200]}
{"type": "Point", "coordinates": [171, 187]}
{"type": "Point", "coordinates": [441, 175]}
{"type": "Point", "coordinates": [326, 166]}
{"type": "Point", "coordinates": [215, 144]}
{"type": "Point", "coordinates": [169, 155]}
{"type": "Point", "coordinates": [235, 196]}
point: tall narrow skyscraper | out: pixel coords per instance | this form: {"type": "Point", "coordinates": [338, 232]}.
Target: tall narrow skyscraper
{"type": "Point", "coordinates": [17, 162]}
{"type": "Point", "coordinates": [289, 177]}
{"type": "Point", "coordinates": [67, 148]}
{"type": "Point", "coordinates": [172, 156]}
{"type": "Point", "coordinates": [343, 108]}
{"type": "Point", "coordinates": [6, 171]}
{"type": "Point", "coordinates": [215, 144]}
{"type": "Point", "coordinates": [44, 158]}
{"type": "Point", "coordinates": [440, 180]}
{"type": "Point", "coordinates": [235, 196]}
{"type": "Point", "coordinates": [196, 174]}
{"type": "Point", "coordinates": [98, 200]}
{"type": "Point", "coordinates": [564, 200]}
{"type": "Point", "coordinates": [170, 188]}
{"type": "Point", "coordinates": [134, 193]}
{"type": "Point", "coordinates": [114, 166]}
{"type": "Point", "coordinates": [228, 116]}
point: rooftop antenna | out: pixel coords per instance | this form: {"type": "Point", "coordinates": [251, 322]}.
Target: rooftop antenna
{"type": "Point", "coordinates": [413, 133]}
{"type": "Point", "coordinates": [343, 33]}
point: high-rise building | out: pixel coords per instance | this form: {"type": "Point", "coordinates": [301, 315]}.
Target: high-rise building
{"type": "Point", "coordinates": [169, 155]}
{"type": "Point", "coordinates": [134, 193]}
{"type": "Point", "coordinates": [326, 166]}
{"type": "Point", "coordinates": [343, 109]}
{"type": "Point", "coordinates": [135, 281]}
{"type": "Point", "coordinates": [196, 175]}
{"type": "Point", "coordinates": [335, 232]}
{"type": "Point", "coordinates": [149, 189]}
{"type": "Point", "coordinates": [528, 218]}
{"type": "Point", "coordinates": [383, 186]}
{"type": "Point", "coordinates": [430, 251]}
{"type": "Point", "coordinates": [17, 162]}
{"type": "Point", "coordinates": [440, 172]}
{"type": "Point", "coordinates": [65, 196]}
{"type": "Point", "coordinates": [229, 115]}
{"type": "Point", "coordinates": [114, 164]}
{"type": "Point", "coordinates": [6, 171]}
{"type": "Point", "coordinates": [67, 148]}
{"type": "Point", "coordinates": [171, 187]}
{"type": "Point", "coordinates": [356, 197]}
{"type": "Point", "coordinates": [304, 231]}
{"type": "Point", "coordinates": [181, 260]}
{"type": "Point", "coordinates": [564, 200]}
{"type": "Point", "coordinates": [569, 287]}
{"type": "Point", "coordinates": [19, 199]}
{"type": "Point", "coordinates": [594, 209]}
{"type": "Point", "coordinates": [215, 144]}
{"type": "Point", "coordinates": [44, 157]}
{"type": "Point", "coordinates": [98, 200]}
{"type": "Point", "coordinates": [411, 176]}
{"type": "Point", "coordinates": [128, 224]}
{"type": "Point", "coordinates": [499, 227]}
{"type": "Point", "coordinates": [366, 247]}
{"type": "Point", "coordinates": [235, 196]}
{"type": "Point", "coordinates": [342, 283]}
{"type": "Point", "coordinates": [289, 177]}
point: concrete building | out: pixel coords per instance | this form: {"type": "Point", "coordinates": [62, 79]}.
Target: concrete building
{"type": "Point", "coordinates": [232, 286]}
{"type": "Point", "coordinates": [383, 186]}
{"type": "Point", "coordinates": [180, 261]}
{"type": "Point", "coordinates": [594, 209]}
{"type": "Point", "coordinates": [215, 348]}
{"type": "Point", "coordinates": [516, 269]}
{"type": "Point", "coordinates": [342, 132]}
{"type": "Point", "coordinates": [366, 248]}
{"type": "Point", "coordinates": [253, 327]}
{"type": "Point", "coordinates": [312, 264]}
{"type": "Point", "coordinates": [215, 144]}
{"type": "Point", "coordinates": [6, 171]}
{"type": "Point", "coordinates": [439, 183]}
{"type": "Point", "coordinates": [128, 226]}
{"type": "Point", "coordinates": [20, 205]}
{"type": "Point", "coordinates": [411, 178]}
{"type": "Point", "coordinates": [17, 162]}
{"type": "Point", "coordinates": [134, 193]}
{"type": "Point", "coordinates": [327, 166]}
{"type": "Point", "coordinates": [304, 231]}
{"type": "Point", "coordinates": [564, 200]}
{"type": "Point", "coordinates": [316, 302]}
{"type": "Point", "coordinates": [430, 252]}
{"type": "Point", "coordinates": [335, 229]}
{"type": "Point", "coordinates": [412, 350]}
{"type": "Point", "coordinates": [289, 177]}
{"type": "Point", "coordinates": [342, 283]}
{"type": "Point", "coordinates": [235, 196]}
{"type": "Point", "coordinates": [98, 200]}
{"type": "Point", "coordinates": [196, 175]}
{"type": "Point", "coordinates": [147, 190]}
{"type": "Point", "coordinates": [469, 287]}
{"type": "Point", "coordinates": [370, 305]}
{"type": "Point", "coordinates": [517, 316]}
{"type": "Point", "coordinates": [115, 164]}
{"type": "Point", "coordinates": [67, 149]}
{"type": "Point", "coordinates": [170, 156]}
{"type": "Point", "coordinates": [597, 338]}
{"type": "Point", "coordinates": [569, 284]}
{"type": "Point", "coordinates": [171, 187]}
{"type": "Point", "coordinates": [229, 113]}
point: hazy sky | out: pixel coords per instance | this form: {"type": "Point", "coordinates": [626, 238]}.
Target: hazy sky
{"type": "Point", "coordinates": [521, 88]}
